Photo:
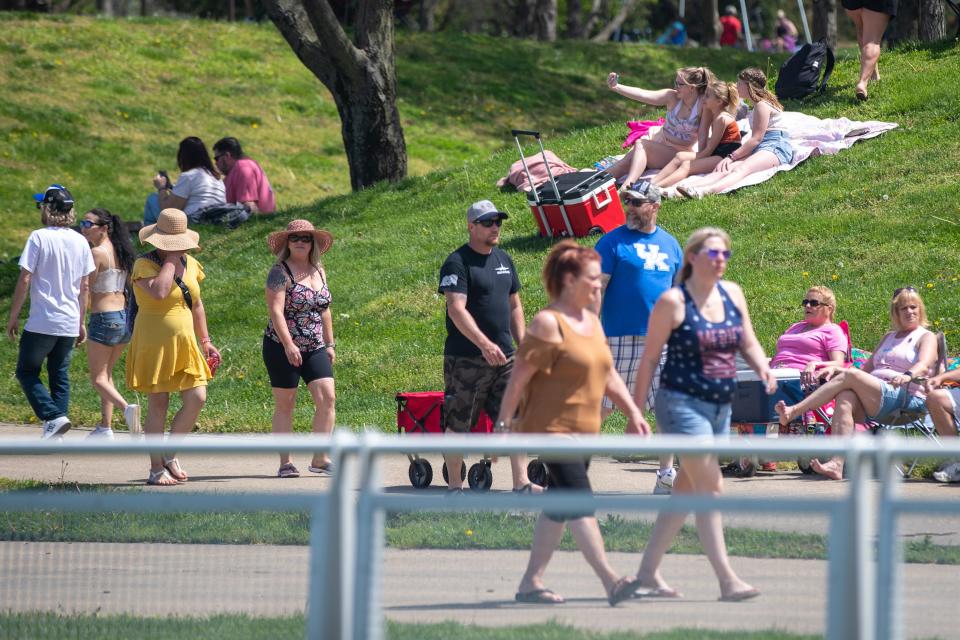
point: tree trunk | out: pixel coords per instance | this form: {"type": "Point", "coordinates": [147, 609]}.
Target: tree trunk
{"type": "Point", "coordinates": [524, 18]}
{"type": "Point", "coordinates": [574, 23]}
{"type": "Point", "coordinates": [932, 24]}
{"type": "Point", "coordinates": [361, 76]}
{"type": "Point", "coordinates": [825, 21]}
{"type": "Point", "coordinates": [106, 8]}
{"type": "Point", "coordinates": [710, 24]}
{"type": "Point", "coordinates": [616, 23]}
{"type": "Point", "coordinates": [597, 8]}
{"type": "Point", "coordinates": [905, 24]}
{"type": "Point", "coordinates": [428, 15]}
{"type": "Point", "coordinates": [545, 20]}
{"type": "Point", "coordinates": [231, 10]}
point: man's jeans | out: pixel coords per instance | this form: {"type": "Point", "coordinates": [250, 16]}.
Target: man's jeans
{"type": "Point", "coordinates": [56, 350]}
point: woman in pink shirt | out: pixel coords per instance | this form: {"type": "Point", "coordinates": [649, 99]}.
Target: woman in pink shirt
{"type": "Point", "coordinates": [891, 380]}
{"type": "Point", "coordinates": [816, 341]}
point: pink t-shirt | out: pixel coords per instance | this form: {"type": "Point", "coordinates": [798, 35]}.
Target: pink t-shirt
{"type": "Point", "coordinates": [797, 348]}
{"type": "Point", "coordinates": [246, 181]}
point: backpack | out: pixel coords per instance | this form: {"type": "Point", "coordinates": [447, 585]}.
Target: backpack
{"type": "Point", "coordinates": [800, 74]}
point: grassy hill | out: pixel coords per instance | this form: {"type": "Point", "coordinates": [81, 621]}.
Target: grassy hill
{"type": "Point", "coordinates": [101, 118]}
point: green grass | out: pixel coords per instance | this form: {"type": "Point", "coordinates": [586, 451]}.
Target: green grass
{"type": "Point", "coordinates": [863, 222]}
{"type": "Point", "coordinates": [41, 626]}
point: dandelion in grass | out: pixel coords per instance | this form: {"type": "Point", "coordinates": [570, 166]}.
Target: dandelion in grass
{"type": "Point", "coordinates": [254, 125]}
{"type": "Point", "coordinates": [929, 285]}
{"type": "Point", "coordinates": [806, 274]}
{"type": "Point", "coordinates": [468, 533]}
{"type": "Point", "coordinates": [835, 277]}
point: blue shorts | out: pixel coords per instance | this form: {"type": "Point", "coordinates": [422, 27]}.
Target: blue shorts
{"type": "Point", "coordinates": [679, 413]}
{"type": "Point", "coordinates": [108, 327]}
{"type": "Point", "coordinates": [894, 399]}
{"type": "Point", "coordinates": [777, 143]}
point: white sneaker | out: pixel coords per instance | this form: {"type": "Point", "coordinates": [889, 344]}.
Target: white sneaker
{"type": "Point", "coordinates": [101, 433]}
{"type": "Point", "coordinates": [55, 427]}
{"type": "Point", "coordinates": [664, 486]}
{"type": "Point", "coordinates": [670, 193]}
{"type": "Point", "coordinates": [950, 473]}
{"type": "Point", "coordinates": [693, 193]}
{"type": "Point", "coordinates": [131, 415]}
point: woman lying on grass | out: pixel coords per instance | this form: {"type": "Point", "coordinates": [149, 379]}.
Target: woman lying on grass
{"type": "Point", "coordinates": [721, 98]}
{"type": "Point", "coordinates": [768, 146]}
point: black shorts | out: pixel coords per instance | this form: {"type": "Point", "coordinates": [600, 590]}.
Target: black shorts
{"type": "Point", "coordinates": [888, 7]}
{"type": "Point", "coordinates": [316, 364]}
{"type": "Point", "coordinates": [725, 149]}
{"type": "Point", "coordinates": [569, 474]}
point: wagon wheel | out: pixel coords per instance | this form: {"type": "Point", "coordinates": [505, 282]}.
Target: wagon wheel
{"type": "Point", "coordinates": [420, 473]}
{"type": "Point", "coordinates": [480, 477]}
{"type": "Point", "coordinates": [537, 472]}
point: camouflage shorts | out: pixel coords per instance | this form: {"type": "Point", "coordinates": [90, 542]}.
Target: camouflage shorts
{"type": "Point", "coordinates": [469, 385]}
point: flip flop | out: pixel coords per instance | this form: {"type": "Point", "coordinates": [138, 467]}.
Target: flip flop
{"type": "Point", "coordinates": [325, 469]}
{"type": "Point", "coordinates": [288, 471]}
{"type": "Point", "coordinates": [527, 488]}
{"type": "Point", "coordinates": [538, 596]}
{"type": "Point", "coordinates": [658, 592]}
{"type": "Point", "coordinates": [739, 596]}
{"type": "Point", "coordinates": [623, 589]}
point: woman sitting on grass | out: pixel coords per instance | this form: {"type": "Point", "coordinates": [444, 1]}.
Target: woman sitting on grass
{"type": "Point", "coordinates": [687, 122]}
{"type": "Point", "coordinates": [890, 381]}
{"type": "Point", "coordinates": [768, 146]}
{"type": "Point", "coordinates": [721, 98]}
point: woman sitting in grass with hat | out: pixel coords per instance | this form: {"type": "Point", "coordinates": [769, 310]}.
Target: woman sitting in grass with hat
{"type": "Point", "coordinates": [164, 356]}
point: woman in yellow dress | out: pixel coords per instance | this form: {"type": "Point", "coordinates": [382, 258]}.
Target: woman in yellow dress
{"type": "Point", "coordinates": [164, 356]}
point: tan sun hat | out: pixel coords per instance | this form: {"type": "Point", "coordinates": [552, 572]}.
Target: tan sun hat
{"type": "Point", "coordinates": [170, 233]}
{"type": "Point", "coordinates": [322, 240]}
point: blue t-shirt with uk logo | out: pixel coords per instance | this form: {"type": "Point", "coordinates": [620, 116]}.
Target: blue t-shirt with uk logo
{"type": "Point", "coordinates": [641, 266]}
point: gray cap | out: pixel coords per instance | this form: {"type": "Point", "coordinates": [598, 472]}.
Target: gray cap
{"type": "Point", "coordinates": [484, 210]}
{"type": "Point", "coordinates": [644, 190]}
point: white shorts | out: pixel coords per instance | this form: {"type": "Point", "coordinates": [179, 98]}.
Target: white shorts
{"type": "Point", "coordinates": [627, 352]}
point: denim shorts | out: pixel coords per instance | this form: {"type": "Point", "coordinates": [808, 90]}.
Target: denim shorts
{"type": "Point", "coordinates": [777, 143]}
{"type": "Point", "coordinates": [108, 327]}
{"type": "Point", "coordinates": [679, 413]}
{"type": "Point", "coordinates": [893, 399]}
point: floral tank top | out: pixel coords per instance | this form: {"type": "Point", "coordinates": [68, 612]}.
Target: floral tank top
{"type": "Point", "coordinates": [302, 309]}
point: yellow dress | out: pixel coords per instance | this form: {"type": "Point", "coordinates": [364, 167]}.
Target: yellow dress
{"type": "Point", "coordinates": [163, 355]}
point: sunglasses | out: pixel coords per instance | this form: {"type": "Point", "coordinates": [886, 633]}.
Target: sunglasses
{"type": "Point", "coordinates": [713, 254]}
{"type": "Point", "coordinates": [897, 292]}
{"type": "Point", "coordinates": [299, 238]}
{"type": "Point", "coordinates": [812, 303]}
{"type": "Point", "coordinates": [635, 202]}
{"type": "Point", "coordinates": [86, 224]}
{"type": "Point", "coordinates": [489, 223]}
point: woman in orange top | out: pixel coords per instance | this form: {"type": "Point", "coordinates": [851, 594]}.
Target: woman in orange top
{"type": "Point", "coordinates": [560, 374]}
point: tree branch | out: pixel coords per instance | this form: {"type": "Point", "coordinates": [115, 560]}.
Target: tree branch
{"type": "Point", "coordinates": [331, 36]}
{"type": "Point", "coordinates": [616, 23]}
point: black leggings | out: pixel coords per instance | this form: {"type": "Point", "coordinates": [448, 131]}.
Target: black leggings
{"type": "Point", "coordinates": [283, 375]}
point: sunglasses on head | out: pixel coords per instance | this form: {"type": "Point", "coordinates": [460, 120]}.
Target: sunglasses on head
{"type": "Point", "coordinates": [897, 292]}
{"type": "Point", "coordinates": [489, 223]}
{"type": "Point", "coordinates": [86, 224]}
{"type": "Point", "coordinates": [299, 238]}
{"type": "Point", "coordinates": [812, 303]}
{"type": "Point", "coordinates": [713, 254]}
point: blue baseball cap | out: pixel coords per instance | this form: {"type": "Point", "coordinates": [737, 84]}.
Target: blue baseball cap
{"type": "Point", "coordinates": [56, 196]}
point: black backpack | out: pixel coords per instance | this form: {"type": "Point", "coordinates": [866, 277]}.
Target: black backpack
{"type": "Point", "coordinates": [800, 74]}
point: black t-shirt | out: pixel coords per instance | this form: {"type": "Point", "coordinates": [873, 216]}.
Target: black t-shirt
{"type": "Point", "coordinates": [488, 282]}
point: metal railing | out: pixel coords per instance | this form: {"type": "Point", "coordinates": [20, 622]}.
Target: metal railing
{"type": "Point", "coordinates": [863, 599]}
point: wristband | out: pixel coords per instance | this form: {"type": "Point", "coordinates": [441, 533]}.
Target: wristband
{"type": "Point", "coordinates": [501, 426]}
{"type": "Point", "coordinates": [332, 345]}
{"type": "Point", "coordinates": [206, 341]}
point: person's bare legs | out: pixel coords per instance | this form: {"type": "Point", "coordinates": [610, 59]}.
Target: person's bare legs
{"type": "Point", "coordinates": [754, 163]}
{"type": "Point", "coordinates": [192, 401]}
{"type": "Point", "coordinates": [647, 153]}
{"type": "Point", "coordinates": [281, 423]}
{"type": "Point", "coordinates": [101, 359]}
{"type": "Point", "coordinates": [324, 396]}
{"type": "Point", "coordinates": [940, 406]}
{"type": "Point", "coordinates": [870, 28]}
{"type": "Point", "coordinates": [846, 412]}
{"type": "Point", "coordinates": [868, 389]}
{"type": "Point", "coordinates": [546, 538]}
{"type": "Point", "coordinates": [586, 533]}
{"type": "Point", "coordinates": [453, 461]}
{"type": "Point", "coordinates": [157, 405]}
{"type": "Point", "coordinates": [518, 469]}
{"type": "Point", "coordinates": [665, 529]}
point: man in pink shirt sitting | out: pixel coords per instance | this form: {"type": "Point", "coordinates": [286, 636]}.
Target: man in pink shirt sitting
{"type": "Point", "coordinates": [245, 181]}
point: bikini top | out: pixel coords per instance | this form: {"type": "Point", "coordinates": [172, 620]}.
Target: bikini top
{"type": "Point", "coordinates": [110, 280]}
{"type": "Point", "coordinates": [683, 129]}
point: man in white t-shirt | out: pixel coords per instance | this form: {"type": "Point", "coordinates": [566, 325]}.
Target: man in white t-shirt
{"type": "Point", "coordinates": [54, 269]}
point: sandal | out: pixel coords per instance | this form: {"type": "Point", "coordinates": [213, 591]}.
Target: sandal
{"type": "Point", "coordinates": [538, 596]}
{"type": "Point", "coordinates": [288, 471]}
{"type": "Point", "coordinates": [325, 469]}
{"type": "Point", "coordinates": [155, 478]}
{"type": "Point", "coordinates": [623, 589]}
{"type": "Point", "coordinates": [173, 466]}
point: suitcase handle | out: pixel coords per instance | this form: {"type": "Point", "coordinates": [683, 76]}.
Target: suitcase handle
{"type": "Point", "coordinates": [524, 132]}
{"type": "Point", "coordinates": [606, 202]}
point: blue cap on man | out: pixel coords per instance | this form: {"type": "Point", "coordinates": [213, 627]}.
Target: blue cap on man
{"type": "Point", "coordinates": [56, 196]}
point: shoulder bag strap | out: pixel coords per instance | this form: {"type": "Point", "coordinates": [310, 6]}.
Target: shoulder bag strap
{"type": "Point", "coordinates": [829, 69]}
{"type": "Point", "coordinates": [187, 298]}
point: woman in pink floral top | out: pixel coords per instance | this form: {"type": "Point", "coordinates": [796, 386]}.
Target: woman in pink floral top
{"type": "Point", "coordinates": [298, 342]}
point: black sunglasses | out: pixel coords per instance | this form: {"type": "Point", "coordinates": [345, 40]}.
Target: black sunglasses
{"type": "Point", "coordinates": [812, 303]}
{"type": "Point", "coordinates": [897, 292]}
{"type": "Point", "coordinates": [86, 224]}
{"type": "Point", "coordinates": [299, 238]}
{"type": "Point", "coordinates": [489, 223]}
{"type": "Point", "coordinates": [635, 202]}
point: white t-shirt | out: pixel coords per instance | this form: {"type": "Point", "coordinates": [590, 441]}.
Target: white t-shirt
{"type": "Point", "coordinates": [58, 258]}
{"type": "Point", "coordinates": [199, 189]}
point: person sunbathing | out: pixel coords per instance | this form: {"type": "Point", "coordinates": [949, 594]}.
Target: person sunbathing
{"type": "Point", "coordinates": [891, 380]}
{"type": "Point", "coordinates": [721, 98]}
{"type": "Point", "coordinates": [768, 145]}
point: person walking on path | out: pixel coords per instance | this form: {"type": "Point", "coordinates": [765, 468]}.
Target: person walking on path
{"type": "Point", "coordinates": [164, 356]}
{"type": "Point", "coordinates": [107, 331]}
{"type": "Point", "coordinates": [484, 319]}
{"type": "Point", "coordinates": [562, 369]}
{"type": "Point", "coordinates": [298, 342]}
{"type": "Point", "coordinates": [54, 269]}
{"type": "Point", "coordinates": [703, 322]}
{"type": "Point", "coordinates": [638, 261]}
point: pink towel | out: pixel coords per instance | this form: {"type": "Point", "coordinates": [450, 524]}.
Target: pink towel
{"type": "Point", "coordinates": [518, 177]}
{"type": "Point", "coordinates": [638, 129]}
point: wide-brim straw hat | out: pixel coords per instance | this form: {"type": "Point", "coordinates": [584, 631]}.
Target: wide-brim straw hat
{"type": "Point", "coordinates": [322, 240]}
{"type": "Point", "coordinates": [170, 233]}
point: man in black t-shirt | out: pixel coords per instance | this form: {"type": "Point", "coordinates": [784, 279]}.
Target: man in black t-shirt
{"type": "Point", "coordinates": [484, 321]}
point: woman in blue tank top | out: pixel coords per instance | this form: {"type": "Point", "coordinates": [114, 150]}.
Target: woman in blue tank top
{"type": "Point", "coordinates": [704, 322]}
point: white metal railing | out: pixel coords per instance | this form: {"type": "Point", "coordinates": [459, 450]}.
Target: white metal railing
{"type": "Point", "coordinates": [346, 538]}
